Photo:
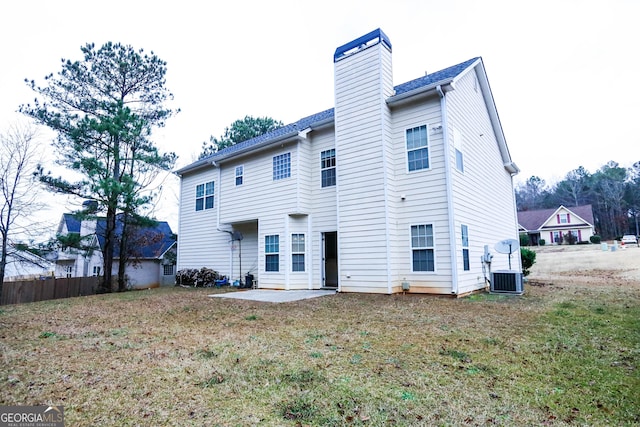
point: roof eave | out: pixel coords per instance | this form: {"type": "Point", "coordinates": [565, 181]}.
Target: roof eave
{"type": "Point", "coordinates": [288, 137]}
{"type": "Point", "coordinates": [199, 164]}
{"type": "Point", "coordinates": [509, 165]}
{"type": "Point", "coordinates": [420, 92]}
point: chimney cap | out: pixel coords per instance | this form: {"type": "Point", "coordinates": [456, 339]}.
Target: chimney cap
{"type": "Point", "coordinates": [369, 39]}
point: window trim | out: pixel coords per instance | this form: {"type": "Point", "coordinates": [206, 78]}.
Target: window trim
{"type": "Point", "coordinates": [458, 142]}
{"type": "Point", "coordinates": [331, 157]}
{"type": "Point", "coordinates": [295, 251]}
{"type": "Point", "coordinates": [416, 149]}
{"type": "Point", "coordinates": [281, 166]}
{"type": "Point", "coordinates": [466, 261]}
{"type": "Point", "coordinates": [164, 269]}
{"type": "Point", "coordinates": [205, 195]}
{"type": "Point", "coordinates": [427, 247]}
{"type": "Point", "coordinates": [240, 176]}
{"type": "Point", "coordinates": [272, 251]}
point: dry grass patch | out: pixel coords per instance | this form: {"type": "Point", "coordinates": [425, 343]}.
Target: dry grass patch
{"type": "Point", "coordinates": [565, 353]}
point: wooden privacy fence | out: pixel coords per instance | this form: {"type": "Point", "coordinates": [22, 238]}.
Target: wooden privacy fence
{"type": "Point", "coordinates": [46, 289]}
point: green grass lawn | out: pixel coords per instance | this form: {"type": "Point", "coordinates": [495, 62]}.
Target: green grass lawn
{"type": "Point", "coordinates": [558, 355]}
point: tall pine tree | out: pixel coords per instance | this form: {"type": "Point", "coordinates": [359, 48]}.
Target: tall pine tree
{"type": "Point", "coordinates": [103, 109]}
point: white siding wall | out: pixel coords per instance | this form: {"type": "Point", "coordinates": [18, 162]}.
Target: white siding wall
{"type": "Point", "coordinates": [425, 198]}
{"type": "Point", "coordinates": [145, 274]}
{"type": "Point", "coordinates": [257, 208]}
{"type": "Point", "coordinates": [199, 243]}
{"type": "Point", "coordinates": [362, 83]}
{"type": "Point", "coordinates": [273, 224]}
{"type": "Point", "coordinates": [259, 193]}
{"type": "Point", "coordinates": [483, 194]}
{"type": "Point", "coordinates": [323, 203]}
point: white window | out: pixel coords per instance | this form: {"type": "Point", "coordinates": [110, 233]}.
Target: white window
{"type": "Point", "coordinates": [282, 166]}
{"type": "Point", "coordinates": [68, 270]}
{"type": "Point", "coordinates": [465, 247]}
{"type": "Point", "coordinates": [167, 270]}
{"type": "Point", "coordinates": [457, 143]}
{"type": "Point", "coordinates": [422, 248]}
{"type": "Point", "coordinates": [297, 252]}
{"type": "Point", "coordinates": [239, 175]}
{"type": "Point", "coordinates": [204, 196]}
{"type": "Point", "coordinates": [272, 252]}
{"type": "Point", "coordinates": [563, 218]}
{"type": "Point", "coordinates": [96, 270]}
{"type": "Point", "coordinates": [328, 167]}
{"type": "Point", "coordinates": [417, 148]}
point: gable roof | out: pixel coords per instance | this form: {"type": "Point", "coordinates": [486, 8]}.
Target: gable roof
{"type": "Point", "coordinates": [153, 241]}
{"type": "Point", "coordinates": [325, 117]}
{"type": "Point", "coordinates": [534, 220]}
{"type": "Point", "coordinates": [15, 255]}
{"type": "Point", "coordinates": [71, 222]}
{"type": "Point", "coordinates": [442, 76]}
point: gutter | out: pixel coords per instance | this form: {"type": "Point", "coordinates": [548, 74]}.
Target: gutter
{"type": "Point", "coordinates": [442, 86]}
{"type": "Point", "coordinates": [287, 137]}
{"type": "Point", "coordinates": [449, 190]}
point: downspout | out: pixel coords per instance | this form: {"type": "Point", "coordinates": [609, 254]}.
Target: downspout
{"type": "Point", "coordinates": [449, 190]}
{"type": "Point", "coordinates": [515, 215]}
{"type": "Point", "coordinates": [219, 187]}
{"type": "Point", "coordinates": [308, 249]}
{"type": "Point", "coordinates": [286, 254]}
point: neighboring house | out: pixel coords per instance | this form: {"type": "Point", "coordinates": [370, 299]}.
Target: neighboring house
{"type": "Point", "coordinates": [152, 261]}
{"type": "Point", "coordinates": [26, 265]}
{"type": "Point", "coordinates": [396, 184]}
{"type": "Point", "coordinates": [552, 224]}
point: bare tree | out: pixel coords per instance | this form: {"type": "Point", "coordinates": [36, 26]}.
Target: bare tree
{"type": "Point", "coordinates": [19, 157]}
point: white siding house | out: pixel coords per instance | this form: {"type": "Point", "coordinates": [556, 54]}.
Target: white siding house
{"type": "Point", "coordinates": [23, 265]}
{"type": "Point", "coordinates": [396, 185]}
{"type": "Point", "coordinates": [553, 225]}
{"type": "Point", "coordinates": [152, 260]}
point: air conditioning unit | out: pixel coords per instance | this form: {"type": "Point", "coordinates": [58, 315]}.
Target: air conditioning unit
{"type": "Point", "coordinates": [506, 282]}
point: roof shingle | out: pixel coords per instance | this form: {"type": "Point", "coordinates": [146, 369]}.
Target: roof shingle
{"type": "Point", "coordinates": [314, 119]}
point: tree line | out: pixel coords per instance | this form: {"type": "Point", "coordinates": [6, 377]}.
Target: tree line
{"type": "Point", "coordinates": [613, 192]}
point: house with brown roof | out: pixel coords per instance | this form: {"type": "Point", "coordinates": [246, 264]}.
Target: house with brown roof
{"type": "Point", "coordinates": [553, 224]}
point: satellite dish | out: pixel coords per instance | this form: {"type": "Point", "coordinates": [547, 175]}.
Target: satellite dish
{"type": "Point", "coordinates": [507, 246]}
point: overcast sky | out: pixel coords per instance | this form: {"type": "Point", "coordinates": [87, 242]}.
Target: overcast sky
{"type": "Point", "coordinates": [563, 73]}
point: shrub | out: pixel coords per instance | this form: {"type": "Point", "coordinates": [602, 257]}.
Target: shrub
{"type": "Point", "coordinates": [186, 276]}
{"type": "Point", "coordinates": [595, 239]}
{"type": "Point", "coordinates": [524, 239]}
{"type": "Point", "coordinates": [528, 258]}
{"type": "Point", "coordinates": [194, 277]}
{"type": "Point", "coordinates": [570, 238]}
{"type": "Point", "coordinates": [542, 242]}
{"type": "Point", "coordinates": [207, 276]}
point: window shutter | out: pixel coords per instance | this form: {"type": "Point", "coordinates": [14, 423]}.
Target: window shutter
{"type": "Point", "coordinates": [558, 218]}
{"type": "Point", "coordinates": [568, 218]}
